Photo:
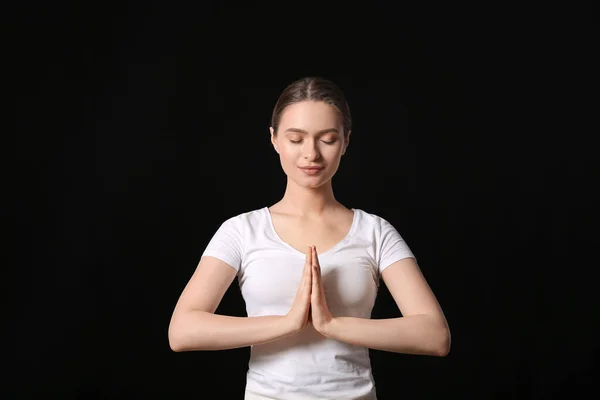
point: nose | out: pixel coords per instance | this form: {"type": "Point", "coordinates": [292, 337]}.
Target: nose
{"type": "Point", "coordinates": [311, 152]}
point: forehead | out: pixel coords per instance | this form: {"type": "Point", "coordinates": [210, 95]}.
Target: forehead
{"type": "Point", "coordinates": [310, 116]}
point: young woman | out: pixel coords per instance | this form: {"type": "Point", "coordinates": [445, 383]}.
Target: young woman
{"type": "Point", "coordinates": [309, 269]}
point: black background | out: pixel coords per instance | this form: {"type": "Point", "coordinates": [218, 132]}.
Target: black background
{"type": "Point", "coordinates": [140, 127]}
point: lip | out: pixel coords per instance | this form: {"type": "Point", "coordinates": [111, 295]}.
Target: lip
{"type": "Point", "coordinates": [311, 170]}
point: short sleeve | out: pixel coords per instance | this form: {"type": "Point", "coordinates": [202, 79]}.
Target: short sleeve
{"type": "Point", "coordinates": [392, 246]}
{"type": "Point", "coordinates": [227, 243]}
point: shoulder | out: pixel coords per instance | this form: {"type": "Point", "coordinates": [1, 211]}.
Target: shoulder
{"type": "Point", "coordinates": [372, 220]}
{"type": "Point", "coordinates": [237, 229]}
{"type": "Point", "coordinates": [247, 218]}
{"type": "Point", "coordinates": [389, 244]}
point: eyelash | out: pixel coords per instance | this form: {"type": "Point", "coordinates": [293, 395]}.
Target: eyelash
{"type": "Point", "coordinates": [298, 141]}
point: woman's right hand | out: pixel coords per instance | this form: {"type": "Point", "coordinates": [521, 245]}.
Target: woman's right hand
{"type": "Point", "coordinates": [298, 316]}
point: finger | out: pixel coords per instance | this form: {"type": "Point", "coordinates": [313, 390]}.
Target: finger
{"type": "Point", "coordinates": [316, 268]}
{"type": "Point", "coordinates": [315, 257]}
{"type": "Point", "coordinates": [304, 280]}
{"type": "Point", "coordinates": [316, 279]}
{"type": "Point", "coordinates": [308, 269]}
{"type": "Point", "coordinates": [308, 261]}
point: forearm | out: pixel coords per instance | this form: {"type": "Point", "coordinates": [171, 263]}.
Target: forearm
{"type": "Point", "coordinates": [199, 330]}
{"type": "Point", "coordinates": [415, 334]}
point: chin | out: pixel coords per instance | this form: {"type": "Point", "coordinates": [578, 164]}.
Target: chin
{"type": "Point", "coordinates": [311, 183]}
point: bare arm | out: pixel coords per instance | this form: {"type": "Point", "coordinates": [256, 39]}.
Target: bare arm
{"type": "Point", "coordinates": [201, 330]}
{"type": "Point", "coordinates": [423, 329]}
{"type": "Point", "coordinates": [415, 334]}
{"type": "Point", "coordinates": [194, 326]}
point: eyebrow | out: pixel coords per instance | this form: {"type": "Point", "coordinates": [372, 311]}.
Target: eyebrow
{"type": "Point", "coordinates": [321, 132]}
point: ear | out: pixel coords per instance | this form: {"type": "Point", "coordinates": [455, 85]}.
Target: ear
{"type": "Point", "coordinates": [347, 142]}
{"type": "Point", "coordinates": [274, 139]}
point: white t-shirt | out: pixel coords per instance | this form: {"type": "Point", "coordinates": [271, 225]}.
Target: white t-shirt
{"type": "Point", "coordinates": [308, 365]}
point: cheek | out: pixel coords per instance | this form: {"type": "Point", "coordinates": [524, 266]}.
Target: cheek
{"type": "Point", "coordinates": [288, 152]}
{"type": "Point", "coordinates": [332, 154]}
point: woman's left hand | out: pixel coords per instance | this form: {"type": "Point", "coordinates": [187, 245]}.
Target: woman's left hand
{"type": "Point", "coordinates": [320, 315]}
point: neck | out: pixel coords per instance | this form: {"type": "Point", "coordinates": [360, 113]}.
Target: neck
{"type": "Point", "coordinates": [308, 202]}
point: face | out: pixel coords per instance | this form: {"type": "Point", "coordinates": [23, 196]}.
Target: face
{"type": "Point", "coordinates": [310, 134]}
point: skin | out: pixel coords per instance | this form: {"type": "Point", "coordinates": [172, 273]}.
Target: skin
{"type": "Point", "coordinates": [310, 133]}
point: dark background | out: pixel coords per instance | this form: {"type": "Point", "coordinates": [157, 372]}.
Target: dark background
{"type": "Point", "coordinates": [140, 127]}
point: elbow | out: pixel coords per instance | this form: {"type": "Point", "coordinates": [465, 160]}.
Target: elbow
{"type": "Point", "coordinates": [176, 339]}
{"type": "Point", "coordinates": [442, 351]}
{"type": "Point", "coordinates": [442, 348]}
{"type": "Point", "coordinates": [176, 345]}
{"type": "Point", "coordinates": [184, 335]}
{"type": "Point", "coordinates": [434, 339]}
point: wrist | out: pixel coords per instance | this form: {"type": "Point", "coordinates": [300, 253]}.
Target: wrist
{"type": "Point", "coordinates": [290, 325]}
{"type": "Point", "coordinates": [328, 329]}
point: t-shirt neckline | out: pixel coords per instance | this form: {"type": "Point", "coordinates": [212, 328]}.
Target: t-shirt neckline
{"type": "Point", "coordinates": [325, 253]}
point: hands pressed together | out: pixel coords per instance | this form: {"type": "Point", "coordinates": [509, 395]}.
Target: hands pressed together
{"type": "Point", "coordinates": [310, 305]}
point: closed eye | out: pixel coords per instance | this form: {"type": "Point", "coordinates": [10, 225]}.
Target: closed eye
{"type": "Point", "coordinates": [324, 141]}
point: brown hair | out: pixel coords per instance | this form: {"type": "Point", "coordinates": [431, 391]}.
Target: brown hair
{"type": "Point", "coordinates": [315, 89]}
